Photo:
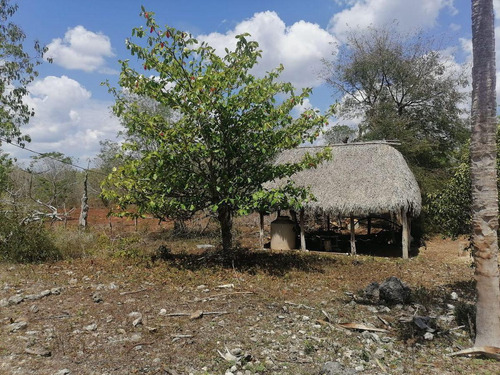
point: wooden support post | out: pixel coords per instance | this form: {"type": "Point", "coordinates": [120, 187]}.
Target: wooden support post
{"type": "Point", "coordinates": [328, 223]}
{"type": "Point", "coordinates": [302, 231]}
{"type": "Point", "coordinates": [369, 226]}
{"type": "Point", "coordinates": [406, 234]}
{"type": "Point", "coordinates": [261, 229]}
{"type": "Point", "coordinates": [353, 237]}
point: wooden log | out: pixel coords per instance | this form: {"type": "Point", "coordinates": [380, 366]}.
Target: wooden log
{"type": "Point", "coordinates": [406, 234]}
{"type": "Point", "coordinates": [353, 237]}
{"type": "Point", "coordinates": [302, 231]}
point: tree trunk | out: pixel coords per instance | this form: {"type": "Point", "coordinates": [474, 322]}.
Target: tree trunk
{"type": "Point", "coordinates": [483, 175]}
{"type": "Point", "coordinates": [353, 236]}
{"type": "Point", "coordinates": [302, 230]}
{"type": "Point", "coordinates": [226, 225]}
{"type": "Point", "coordinates": [84, 212]}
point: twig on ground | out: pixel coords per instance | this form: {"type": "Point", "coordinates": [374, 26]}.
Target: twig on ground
{"type": "Point", "coordinates": [300, 305]}
{"type": "Point", "coordinates": [197, 312]}
{"type": "Point", "coordinates": [133, 292]}
{"type": "Point", "coordinates": [140, 344]}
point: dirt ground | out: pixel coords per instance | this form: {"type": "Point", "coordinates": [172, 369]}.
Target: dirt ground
{"type": "Point", "coordinates": [252, 312]}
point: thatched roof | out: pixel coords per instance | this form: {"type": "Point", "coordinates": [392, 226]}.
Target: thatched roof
{"type": "Point", "coordinates": [360, 179]}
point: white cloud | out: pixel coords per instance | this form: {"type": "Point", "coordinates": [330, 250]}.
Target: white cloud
{"type": "Point", "coordinates": [410, 14]}
{"type": "Point", "coordinates": [67, 119]}
{"type": "Point", "coordinates": [81, 49]}
{"type": "Point", "coordinates": [299, 47]}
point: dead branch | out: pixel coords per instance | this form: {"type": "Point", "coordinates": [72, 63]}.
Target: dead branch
{"type": "Point", "coordinates": [361, 327]}
{"type": "Point", "coordinates": [133, 292]}
{"type": "Point", "coordinates": [300, 305]}
{"type": "Point", "coordinates": [488, 351]}
{"type": "Point", "coordinates": [229, 294]}
{"type": "Point", "coordinates": [196, 313]}
{"type": "Point", "coordinates": [140, 344]}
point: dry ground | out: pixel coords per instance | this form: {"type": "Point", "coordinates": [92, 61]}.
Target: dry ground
{"type": "Point", "coordinates": [112, 313]}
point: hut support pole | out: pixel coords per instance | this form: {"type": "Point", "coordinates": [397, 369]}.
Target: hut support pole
{"type": "Point", "coordinates": [302, 231]}
{"type": "Point", "coordinates": [261, 229]}
{"type": "Point", "coordinates": [353, 237]}
{"type": "Point", "coordinates": [406, 234]}
{"type": "Point", "coordinates": [328, 223]}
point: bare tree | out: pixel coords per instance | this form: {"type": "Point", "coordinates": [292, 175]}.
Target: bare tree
{"type": "Point", "coordinates": [484, 175]}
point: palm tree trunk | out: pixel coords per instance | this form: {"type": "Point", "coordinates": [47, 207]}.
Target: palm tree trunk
{"type": "Point", "coordinates": [483, 175]}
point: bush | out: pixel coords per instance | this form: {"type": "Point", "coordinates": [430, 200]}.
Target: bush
{"type": "Point", "coordinates": [25, 243]}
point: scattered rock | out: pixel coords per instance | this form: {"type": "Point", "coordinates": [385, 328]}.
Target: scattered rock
{"type": "Point", "coordinates": [63, 372]}
{"type": "Point", "coordinates": [45, 293]}
{"type": "Point", "coordinates": [14, 327]}
{"type": "Point", "coordinates": [429, 336]}
{"type": "Point", "coordinates": [372, 292]}
{"type": "Point", "coordinates": [163, 312]}
{"type": "Point", "coordinates": [393, 291]}
{"type": "Point", "coordinates": [32, 297]}
{"type": "Point", "coordinates": [34, 308]}
{"type": "Point", "coordinates": [196, 315]}
{"type": "Point", "coordinates": [16, 299]}
{"type": "Point", "coordinates": [454, 296]}
{"type": "Point", "coordinates": [423, 322]}
{"type": "Point", "coordinates": [335, 368]}
{"type": "Point", "coordinates": [96, 297]}
{"type": "Point", "coordinates": [136, 317]}
{"type": "Point", "coordinates": [90, 327]}
{"type": "Point", "coordinates": [42, 352]}
{"type": "Point", "coordinates": [4, 303]}
{"type": "Point", "coordinates": [56, 291]}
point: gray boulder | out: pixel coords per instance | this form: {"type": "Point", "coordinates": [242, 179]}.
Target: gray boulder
{"type": "Point", "coordinates": [393, 291]}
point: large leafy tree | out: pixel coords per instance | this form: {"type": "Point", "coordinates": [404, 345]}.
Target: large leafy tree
{"type": "Point", "coordinates": [484, 175]}
{"type": "Point", "coordinates": [399, 87]}
{"type": "Point", "coordinates": [17, 70]}
{"type": "Point", "coordinates": [217, 151]}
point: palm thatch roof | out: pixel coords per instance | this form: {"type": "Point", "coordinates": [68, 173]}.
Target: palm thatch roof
{"type": "Point", "coordinates": [361, 179]}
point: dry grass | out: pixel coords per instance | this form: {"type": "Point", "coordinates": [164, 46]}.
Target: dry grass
{"type": "Point", "coordinates": [271, 312]}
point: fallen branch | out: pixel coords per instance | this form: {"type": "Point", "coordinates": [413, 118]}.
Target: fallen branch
{"type": "Point", "coordinates": [488, 351]}
{"type": "Point", "coordinates": [300, 305]}
{"type": "Point", "coordinates": [196, 314]}
{"type": "Point", "coordinates": [361, 327]}
{"type": "Point", "coordinates": [228, 294]}
{"type": "Point", "coordinates": [133, 292]}
{"type": "Point", "coordinates": [140, 344]}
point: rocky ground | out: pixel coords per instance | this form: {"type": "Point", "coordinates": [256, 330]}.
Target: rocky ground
{"type": "Point", "coordinates": [257, 313]}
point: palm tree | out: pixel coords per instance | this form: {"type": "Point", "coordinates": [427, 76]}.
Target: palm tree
{"type": "Point", "coordinates": [484, 177]}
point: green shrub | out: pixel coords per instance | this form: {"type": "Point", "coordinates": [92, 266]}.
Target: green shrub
{"type": "Point", "coordinates": [73, 243]}
{"type": "Point", "coordinates": [25, 243]}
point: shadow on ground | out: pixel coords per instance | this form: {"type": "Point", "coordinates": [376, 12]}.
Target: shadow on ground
{"type": "Point", "coordinates": [245, 260]}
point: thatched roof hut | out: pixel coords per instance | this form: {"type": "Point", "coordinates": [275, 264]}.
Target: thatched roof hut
{"type": "Point", "coordinates": [361, 179]}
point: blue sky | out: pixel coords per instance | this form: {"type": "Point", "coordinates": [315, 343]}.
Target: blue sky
{"type": "Point", "coordinates": [86, 40]}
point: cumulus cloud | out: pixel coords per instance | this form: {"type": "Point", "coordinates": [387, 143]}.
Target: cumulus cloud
{"type": "Point", "coordinates": [67, 119]}
{"type": "Point", "coordinates": [81, 49]}
{"type": "Point", "coordinates": [299, 47]}
{"type": "Point", "coordinates": [410, 14]}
